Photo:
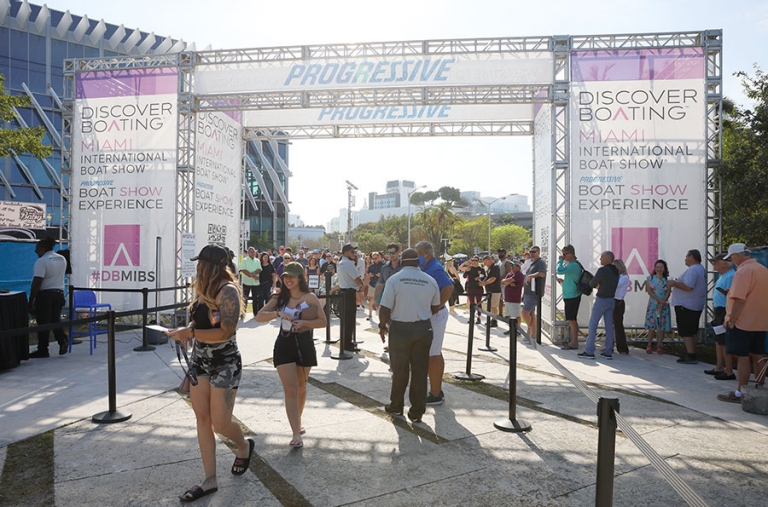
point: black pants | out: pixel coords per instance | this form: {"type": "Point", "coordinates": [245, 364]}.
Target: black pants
{"type": "Point", "coordinates": [349, 317]}
{"type": "Point", "coordinates": [253, 290]}
{"type": "Point", "coordinates": [409, 344]}
{"type": "Point", "coordinates": [261, 297]}
{"type": "Point", "coordinates": [48, 305]}
{"type": "Point", "coordinates": [618, 326]}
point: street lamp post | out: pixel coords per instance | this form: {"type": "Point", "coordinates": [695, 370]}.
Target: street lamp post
{"type": "Point", "coordinates": [488, 204]}
{"type": "Point", "coordinates": [409, 212]}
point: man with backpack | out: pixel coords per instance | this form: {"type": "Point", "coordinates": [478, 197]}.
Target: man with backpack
{"type": "Point", "coordinates": [570, 269]}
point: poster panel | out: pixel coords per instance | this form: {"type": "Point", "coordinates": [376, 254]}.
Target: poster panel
{"type": "Point", "coordinates": [25, 215]}
{"type": "Point", "coordinates": [542, 196]}
{"type": "Point", "coordinates": [218, 161]}
{"type": "Point", "coordinates": [373, 115]}
{"type": "Point", "coordinates": [638, 166]}
{"type": "Point", "coordinates": [124, 182]}
{"type": "Point", "coordinates": [478, 69]}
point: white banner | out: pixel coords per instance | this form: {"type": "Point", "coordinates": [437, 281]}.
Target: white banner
{"type": "Point", "coordinates": [638, 168]}
{"type": "Point", "coordinates": [480, 69]}
{"type": "Point", "coordinates": [387, 115]}
{"type": "Point", "coordinates": [124, 182]}
{"type": "Point", "coordinates": [218, 162]}
{"type": "Point", "coordinates": [542, 200]}
{"type": "Point", "coordinates": [23, 215]}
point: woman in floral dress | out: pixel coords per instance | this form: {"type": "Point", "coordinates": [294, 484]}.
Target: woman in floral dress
{"type": "Point", "coordinates": [658, 317]}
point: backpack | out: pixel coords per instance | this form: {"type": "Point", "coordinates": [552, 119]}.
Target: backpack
{"type": "Point", "coordinates": [583, 284]}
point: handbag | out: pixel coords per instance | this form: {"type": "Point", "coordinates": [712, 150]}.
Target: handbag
{"type": "Point", "coordinates": [458, 287]}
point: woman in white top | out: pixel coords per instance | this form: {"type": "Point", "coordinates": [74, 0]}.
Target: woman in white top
{"type": "Point", "coordinates": [294, 354]}
{"type": "Point", "coordinates": [618, 309]}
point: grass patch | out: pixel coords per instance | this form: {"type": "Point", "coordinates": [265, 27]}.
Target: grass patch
{"type": "Point", "coordinates": [27, 478]}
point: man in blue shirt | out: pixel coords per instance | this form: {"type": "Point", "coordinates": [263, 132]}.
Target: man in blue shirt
{"type": "Point", "coordinates": [688, 300]}
{"type": "Point", "coordinates": [429, 265]}
{"type": "Point", "coordinates": [724, 368]}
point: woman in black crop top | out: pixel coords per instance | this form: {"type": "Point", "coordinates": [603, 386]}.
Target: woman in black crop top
{"type": "Point", "coordinates": [216, 362]}
{"type": "Point", "coordinates": [294, 355]}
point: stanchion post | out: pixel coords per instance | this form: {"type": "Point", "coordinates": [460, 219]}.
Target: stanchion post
{"type": "Point", "coordinates": [512, 423]}
{"type": "Point", "coordinates": [468, 375]}
{"type": "Point", "coordinates": [112, 415]}
{"type": "Point", "coordinates": [145, 346]}
{"type": "Point", "coordinates": [343, 352]}
{"type": "Point", "coordinates": [606, 447]}
{"type": "Point", "coordinates": [538, 317]}
{"type": "Point", "coordinates": [327, 308]}
{"type": "Point", "coordinates": [488, 320]}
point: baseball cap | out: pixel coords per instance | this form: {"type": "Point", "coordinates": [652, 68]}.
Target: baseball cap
{"type": "Point", "coordinates": [501, 251]}
{"type": "Point", "coordinates": [718, 257]}
{"type": "Point", "coordinates": [213, 254]}
{"type": "Point", "coordinates": [293, 269]}
{"type": "Point", "coordinates": [736, 248]}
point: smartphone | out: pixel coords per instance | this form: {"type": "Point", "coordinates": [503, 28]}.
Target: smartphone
{"type": "Point", "coordinates": [722, 291]}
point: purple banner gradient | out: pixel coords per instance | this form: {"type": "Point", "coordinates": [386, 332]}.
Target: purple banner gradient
{"type": "Point", "coordinates": [126, 83]}
{"type": "Point", "coordinates": [638, 64]}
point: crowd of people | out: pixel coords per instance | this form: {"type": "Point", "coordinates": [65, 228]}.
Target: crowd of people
{"type": "Point", "coordinates": [412, 293]}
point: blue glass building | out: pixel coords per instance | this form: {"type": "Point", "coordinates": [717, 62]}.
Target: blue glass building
{"type": "Point", "coordinates": [34, 42]}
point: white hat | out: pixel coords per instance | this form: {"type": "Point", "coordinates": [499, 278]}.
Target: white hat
{"type": "Point", "coordinates": [736, 248]}
{"type": "Point", "coordinates": [448, 257]}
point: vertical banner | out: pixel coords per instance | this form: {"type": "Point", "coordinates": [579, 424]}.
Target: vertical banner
{"type": "Point", "coordinates": [542, 192]}
{"type": "Point", "coordinates": [124, 181]}
{"type": "Point", "coordinates": [218, 162]}
{"type": "Point", "coordinates": [638, 162]}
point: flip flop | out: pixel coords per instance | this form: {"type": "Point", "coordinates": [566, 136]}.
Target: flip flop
{"type": "Point", "coordinates": [296, 443]}
{"type": "Point", "coordinates": [302, 431]}
{"type": "Point", "coordinates": [195, 493]}
{"type": "Point", "coordinates": [569, 347]}
{"type": "Point", "coordinates": [243, 463]}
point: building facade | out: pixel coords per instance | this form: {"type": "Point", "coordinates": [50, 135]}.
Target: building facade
{"type": "Point", "coordinates": [34, 43]}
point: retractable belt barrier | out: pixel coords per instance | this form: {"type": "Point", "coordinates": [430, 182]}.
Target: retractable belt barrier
{"type": "Point", "coordinates": [608, 416]}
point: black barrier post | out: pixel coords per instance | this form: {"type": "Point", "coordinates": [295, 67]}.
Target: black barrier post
{"type": "Point", "coordinates": [487, 347]}
{"type": "Point", "coordinates": [468, 375]}
{"type": "Point", "coordinates": [343, 352]}
{"type": "Point", "coordinates": [327, 308]}
{"type": "Point", "coordinates": [145, 346]}
{"type": "Point", "coordinates": [606, 446]}
{"type": "Point", "coordinates": [112, 415]}
{"type": "Point", "coordinates": [511, 423]}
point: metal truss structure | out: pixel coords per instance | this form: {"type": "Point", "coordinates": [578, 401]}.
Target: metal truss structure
{"type": "Point", "coordinates": [555, 92]}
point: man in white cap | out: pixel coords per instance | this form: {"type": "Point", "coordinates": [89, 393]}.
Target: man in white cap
{"type": "Point", "coordinates": [746, 318]}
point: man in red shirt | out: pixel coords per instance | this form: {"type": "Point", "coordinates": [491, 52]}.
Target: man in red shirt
{"type": "Point", "coordinates": [513, 289]}
{"type": "Point", "coordinates": [746, 320]}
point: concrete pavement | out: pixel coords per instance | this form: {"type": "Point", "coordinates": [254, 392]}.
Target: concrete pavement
{"type": "Point", "coordinates": [356, 454]}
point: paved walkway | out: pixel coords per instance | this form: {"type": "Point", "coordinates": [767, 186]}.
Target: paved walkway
{"type": "Point", "coordinates": [356, 454]}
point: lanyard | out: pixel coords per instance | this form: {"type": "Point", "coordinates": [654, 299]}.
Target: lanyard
{"type": "Point", "coordinates": [189, 371]}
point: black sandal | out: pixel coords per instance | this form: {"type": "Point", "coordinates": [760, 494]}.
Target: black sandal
{"type": "Point", "coordinates": [195, 493]}
{"type": "Point", "coordinates": [243, 463]}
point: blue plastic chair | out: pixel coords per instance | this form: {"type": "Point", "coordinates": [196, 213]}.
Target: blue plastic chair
{"type": "Point", "coordinates": [85, 301]}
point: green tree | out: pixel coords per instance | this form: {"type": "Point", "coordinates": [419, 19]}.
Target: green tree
{"type": "Point", "coordinates": [744, 171]}
{"type": "Point", "coordinates": [438, 222]}
{"type": "Point", "coordinates": [395, 228]}
{"type": "Point", "coordinates": [19, 140]}
{"type": "Point", "coordinates": [510, 237]}
{"type": "Point", "coordinates": [469, 234]}
{"type": "Point", "coordinates": [452, 196]}
{"type": "Point", "coordinates": [372, 242]}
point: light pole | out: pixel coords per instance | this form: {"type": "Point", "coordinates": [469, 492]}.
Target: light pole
{"type": "Point", "coordinates": [489, 218]}
{"type": "Point", "coordinates": [409, 212]}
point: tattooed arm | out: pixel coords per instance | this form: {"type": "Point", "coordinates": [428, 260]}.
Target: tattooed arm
{"type": "Point", "coordinates": [229, 301]}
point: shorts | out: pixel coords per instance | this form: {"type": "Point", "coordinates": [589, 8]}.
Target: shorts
{"type": "Point", "coordinates": [742, 343]}
{"type": "Point", "coordinates": [495, 299]}
{"type": "Point", "coordinates": [717, 320]}
{"type": "Point", "coordinates": [529, 302]}
{"type": "Point", "coordinates": [220, 362]}
{"type": "Point", "coordinates": [512, 310]}
{"type": "Point", "coordinates": [439, 322]}
{"type": "Point", "coordinates": [572, 307]}
{"type": "Point", "coordinates": [687, 321]}
{"type": "Point", "coordinates": [296, 348]}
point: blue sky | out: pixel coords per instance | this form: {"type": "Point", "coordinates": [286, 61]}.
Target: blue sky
{"type": "Point", "coordinates": [494, 166]}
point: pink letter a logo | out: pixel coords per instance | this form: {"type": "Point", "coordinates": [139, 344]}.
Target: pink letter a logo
{"type": "Point", "coordinates": [122, 245]}
{"type": "Point", "coordinates": [637, 246]}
